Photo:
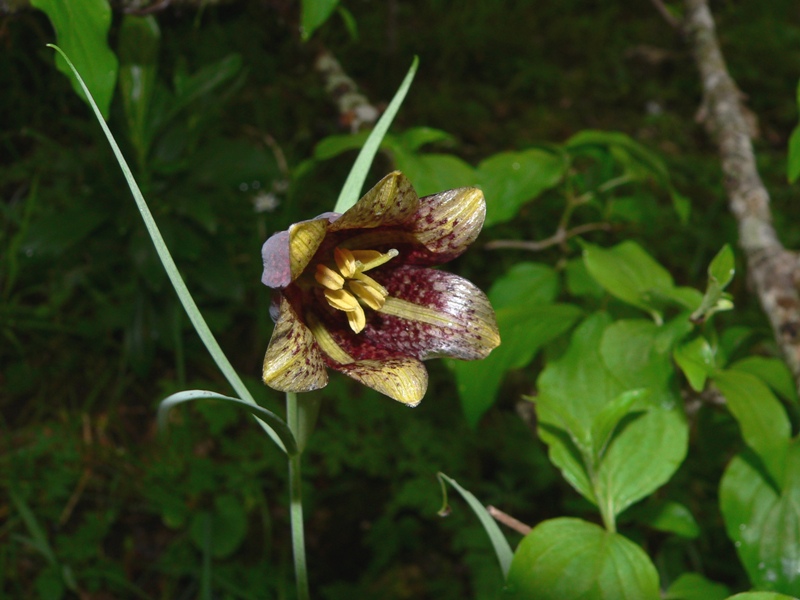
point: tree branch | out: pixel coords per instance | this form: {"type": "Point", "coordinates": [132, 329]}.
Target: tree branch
{"type": "Point", "coordinates": [771, 268]}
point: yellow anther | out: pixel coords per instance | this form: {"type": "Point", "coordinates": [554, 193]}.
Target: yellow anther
{"type": "Point", "coordinates": [342, 300]}
{"type": "Point", "coordinates": [362, 288]}
{"type": "Point", "coordinates": [369, 295]}
{"type": "Point", "coordinates": [366, 279]}
{"type": "Point", "coordinates": [357, 319]}
{"type": "Point", "coordinates": [328, 278]}
{"type": "Point", "coordinates": [345, 261]}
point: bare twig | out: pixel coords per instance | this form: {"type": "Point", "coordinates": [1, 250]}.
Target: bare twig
{"type": "Point", "coordinates": [664, 12]}
{"type": "Point", "coordinates": [355, 110]}
{"type": "Point", "coordinates": [509, 521]}
{"type": "Point", "coordinates": [559, 237]}
{"type": "Point", "coordinates": [772, 269]}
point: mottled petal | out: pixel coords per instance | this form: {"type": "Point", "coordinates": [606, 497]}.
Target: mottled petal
{"type": "Point", "coordinates": [446, 224]}
{"type": "Point", "coordinates": [433, 314]}
{"type": "Point", "coordinates": [287, 253]}
{"type": "Point", "coordinates": [293, 362]}
{"type": "Point", "coordinates": [391, 202]}
{"type": "Point", "coordinates": [403, 379]}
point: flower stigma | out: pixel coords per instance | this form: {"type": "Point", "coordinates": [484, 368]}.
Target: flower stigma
{"type": "Point", "coordinates": [349, 288]}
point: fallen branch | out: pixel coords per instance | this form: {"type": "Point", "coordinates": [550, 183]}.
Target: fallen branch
{"type": "Point", "coordinates": [772, 270]}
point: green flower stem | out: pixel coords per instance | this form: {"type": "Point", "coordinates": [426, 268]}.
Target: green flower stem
{"type": "Point", "coordinates": [294, 419]}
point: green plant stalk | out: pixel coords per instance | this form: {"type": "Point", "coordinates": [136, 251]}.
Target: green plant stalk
{"type": "Point", "coordinates": [296, 501]}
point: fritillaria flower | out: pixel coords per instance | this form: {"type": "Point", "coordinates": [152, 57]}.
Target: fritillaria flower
{"type": "Point", "coordinates": [356, 292]}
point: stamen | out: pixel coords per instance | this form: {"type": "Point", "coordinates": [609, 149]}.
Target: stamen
{"type": "Point", "coordinates": [375, 258]}
{"type": "Point", "coordinates": [373, 284]}
{"type": "Point", "coordinates": [342, 300]}
{"type": "Point", "coordinates": [362, 288]}
{"type": "Point", "coordinates": [345, 260]}
{"type": "Point", "coordinates": [357, 319]}
{"type": "Point", "coordinates": [369, 295]}
{"type": "Point", "coordinates": [328, 278]}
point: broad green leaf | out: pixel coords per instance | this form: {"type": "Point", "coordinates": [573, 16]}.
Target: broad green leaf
{"type": "Point", "coordinates": [772, 371]}
{"type": "Point", "coordinates": [221, 530]}
{"type": "Point", "coordinates": [602, 362]}
{"type": "Point", "coordinates": [722, 267]}
{"type": "Point", "coordinates": [638, 161]}
{"type": "Point", "coordinates": [524, 329]}
{"type": "Point", "coordinates": [762, 419]}
{"type": "Point", "coordinates": [579, 282]}
{"type": "Point", "coordinates": [138, 44]}
{"type": "Point", "coordinates": [696, 360]}
{"type": "Point", "coordinates": [334, 145]}
{"type": "Point", "coordinates": [415, 138]}
{"type": "Point", "coordinates": [693, 586]}
{"type": "Point", "coordinates": [194, 86]}
{"type": "Point", "coordinates": [499, 542]}
{"type": "Point", "coordinates": [668, 516]}
{"type": "Point", "coordinates": [793, 160]}
{"type": "Point", "coordinates": [54, 234]}
{"type": "Point", "coordinates": [606, 421]}
{"type": "Point", "coordinates": [525, 283]}
{"type": "Point", "coordinates": [82, 31]}
{"type": "Point", "coordinates": [764, 523]}
{"type": "Point", "coordinates": [510, 179]}
{"type": "Point", "coordinates": [761, 596]}
{"type": "Point", "coordinates": [527, 321]}
{"type": "Point", "coordinates": [433, 173]}
{"type": "Point", "coordinates": [570, 559]}
{"type": "Point", "coordinates": [313, 14]}
{"type": "Point", "coordinates": [720, 274]}
{"type": "Point", "coordinates": [351, 190]}
{"type": "Point", "coordinates": [629, 273]}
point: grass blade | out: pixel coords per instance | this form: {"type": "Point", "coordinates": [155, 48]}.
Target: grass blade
{"type": "Point", "coordinates": [351, 190]}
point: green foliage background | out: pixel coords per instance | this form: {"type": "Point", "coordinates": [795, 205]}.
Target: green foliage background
{"type": "Point", "coordinates": [93, 336]}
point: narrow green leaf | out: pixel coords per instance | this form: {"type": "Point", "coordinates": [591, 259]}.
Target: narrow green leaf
{"type": "Point", "coordinates": [185, 297]}
{"type": "Point", "coordinates": [772, 371]}
{"type": "Point", "coordinates": [696, 360]}
{"type": "Point", "coordinates": [39, 539]}
{"type": "Point", "coordinates": [499, 541]}
{"type": "Point", "coordinates": [313, 14]}
{"type": "Point", "coordinates": [763, 421]}
{"type": "Point", "coordinates": [763, 523]}
{"type": "Point", "coordinates": [570, 559]}
{"type": "Point", "coordinates": [358, 174]}
{"type": "Point", "coordinates": [693, 586]}
{"type": "Point", "coordinates": [82, 30]}
{"type": "Point", "coordinates": [510, 179]}
{"type": "Point", "coordinates": [284, 438]}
